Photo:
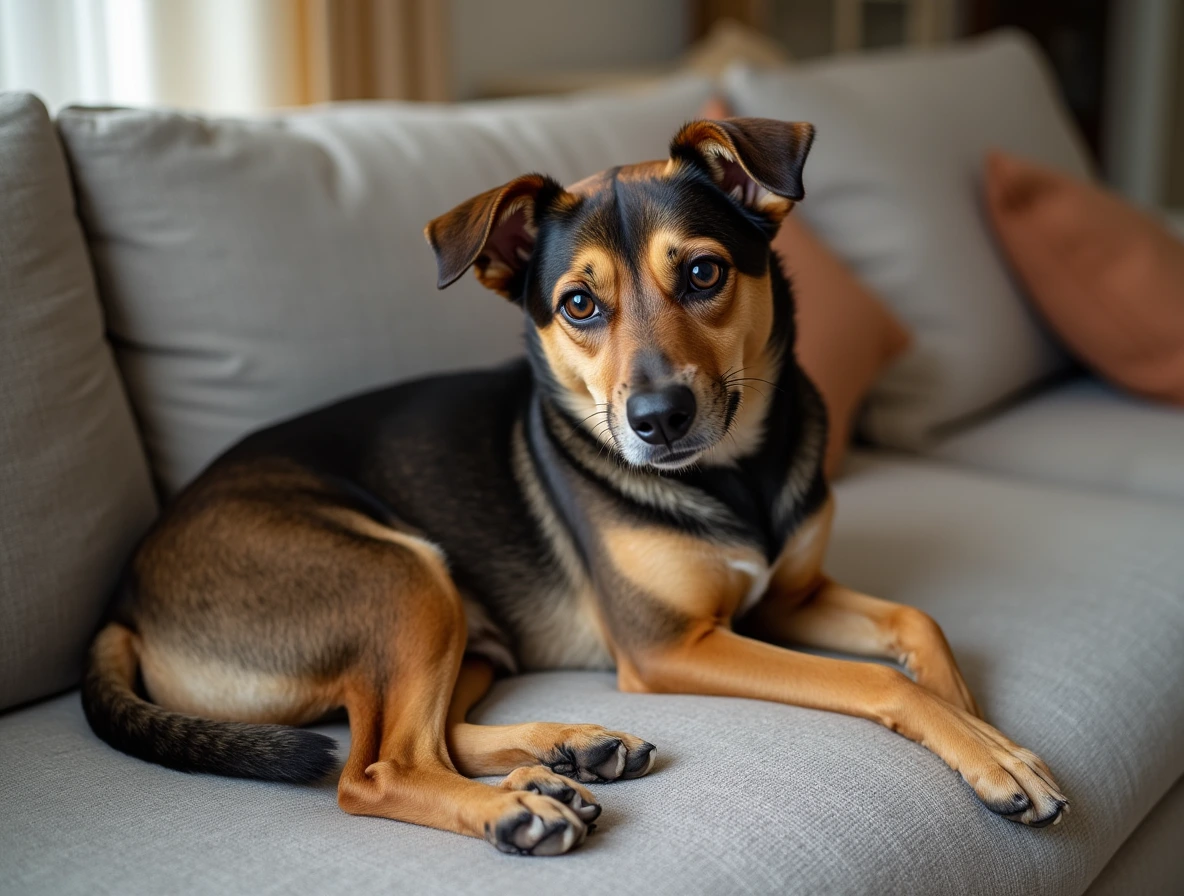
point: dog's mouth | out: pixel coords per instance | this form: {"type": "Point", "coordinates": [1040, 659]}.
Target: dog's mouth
{"type": "Point", "coordinates": [668, 458]}
{"type": "Point", "coordinates": [674, 458]}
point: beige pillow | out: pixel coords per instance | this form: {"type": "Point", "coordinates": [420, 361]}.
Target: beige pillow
{"type": "Point", "coordinates": [1108, 278]}
{"type": "Point", "coordinates": [75, 493]}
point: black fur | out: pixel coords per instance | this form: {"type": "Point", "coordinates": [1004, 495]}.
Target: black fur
{"type": "Point", "coordinates": [189, 744]}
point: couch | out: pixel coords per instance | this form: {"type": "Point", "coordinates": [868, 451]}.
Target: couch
{"type": "Point", "coordinates": [169, 282]}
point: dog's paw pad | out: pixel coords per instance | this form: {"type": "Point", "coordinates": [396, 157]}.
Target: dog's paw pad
{"type": "Point", "coordinates": [536, 825]}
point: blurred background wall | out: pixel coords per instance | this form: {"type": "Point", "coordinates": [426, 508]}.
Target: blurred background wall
{"type": "Point", "coordinates": [1120, 63]}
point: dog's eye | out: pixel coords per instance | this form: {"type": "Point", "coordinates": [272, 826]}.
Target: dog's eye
{"type": "Point", "coordinates": [704, 274]}
{"type": "Point", "coordinates": [578, 306]}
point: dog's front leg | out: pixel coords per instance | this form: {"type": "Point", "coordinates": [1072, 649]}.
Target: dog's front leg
{"type": "Point", "coordinates": [713, 660]}
{"type": "Point", "coordinates": [831, 616]}
{"type": "Point", "coordinates": [803, 606]}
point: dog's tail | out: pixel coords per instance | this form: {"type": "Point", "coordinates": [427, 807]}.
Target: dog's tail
{"type": "Point", "coordinates": [129, 723]}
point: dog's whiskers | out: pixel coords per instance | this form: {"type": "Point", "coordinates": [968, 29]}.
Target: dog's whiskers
{"type": "Point", "coordinates": [601, 408]}
{"type": "Point", "coordinates": [754, 379]}
{"type": "Point", "coordinates": [739, 385]}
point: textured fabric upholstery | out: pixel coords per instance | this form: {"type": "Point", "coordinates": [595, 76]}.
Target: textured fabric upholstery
{"type": "Point", "coordinates": [1066, 610]}
{"type": "Point", "coordinates": [74, 487]}
{"type": "Point", "coordinates": [253, 269]}
{"type": "Point", "coordinates": [894, 187]}
{"type": "Point", "coordinates": [1150, 862]}
{"type": "Point", "coordinates": [1083, 434]}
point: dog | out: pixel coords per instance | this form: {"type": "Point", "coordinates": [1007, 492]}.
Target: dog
{"type": "Point", "coordinates": [642, 492]}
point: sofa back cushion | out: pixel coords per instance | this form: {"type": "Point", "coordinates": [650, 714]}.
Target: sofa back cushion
{"type": "Point", "coordinates": [893, 185]}
{"type": "Point", "coordinates": [75, 492]}
{"type": "Point", "coordinates": [253, 269]}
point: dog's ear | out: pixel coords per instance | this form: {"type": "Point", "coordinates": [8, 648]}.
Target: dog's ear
{"type": "Point", "coordinates": [494, 232]}
{"type": "Point", "coordinates": [756, 161]}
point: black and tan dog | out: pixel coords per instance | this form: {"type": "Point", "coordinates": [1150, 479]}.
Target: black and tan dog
{"type": "Point", "coordinates": [643, 493]}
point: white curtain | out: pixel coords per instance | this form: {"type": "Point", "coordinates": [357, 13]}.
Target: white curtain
{"type": "Point", "coordinates": [209, 55]}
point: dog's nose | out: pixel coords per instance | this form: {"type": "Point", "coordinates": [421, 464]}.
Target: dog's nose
{"type": "Point", "coordinates": [663, 415]}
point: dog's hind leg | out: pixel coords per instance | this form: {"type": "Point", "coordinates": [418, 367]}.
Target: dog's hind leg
{"type": "Point", "coordinates": [398, 765]}
{"type": "Point", "coordinates": [587, 753]}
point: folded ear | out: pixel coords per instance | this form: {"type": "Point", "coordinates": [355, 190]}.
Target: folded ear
{"type": "Point", "coordinates": [495, 232]}
{"type": "Point", "coordinates": [756, 161]}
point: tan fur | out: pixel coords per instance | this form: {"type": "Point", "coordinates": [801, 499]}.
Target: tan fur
{"type": "Point", "coordinates": [799, 566]}
{"type": "Point", "coordinates": [117, 648]}
{"type": "Point", "coordinates": [698, 579]}
{"type": "Point", "coordinates": [215, 690]}
{"type": "Point", "coordinates": [719, 662]}
{"type": "Point", "coordinates": [499, 749]}
{"type": "Point", "coordinates": [821, 613]}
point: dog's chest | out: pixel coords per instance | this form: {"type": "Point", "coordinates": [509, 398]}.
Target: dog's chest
{"type": "Point", "coordinates": [758, 573]}
{"type": "Point", "coordinates": [693, 576]}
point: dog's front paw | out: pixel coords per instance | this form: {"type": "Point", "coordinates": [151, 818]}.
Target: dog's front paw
{"type": "Point", "coordinates": [535, 825]}
{"type": "Point", "coordinates": [593, 754]}
{"type": "Point", "coordinates": [1010, 780]}
{"type": "Point", "coordinates": [539, 779]}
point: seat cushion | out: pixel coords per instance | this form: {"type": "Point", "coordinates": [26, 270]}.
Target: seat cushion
{"type": "Point", "coordinates": [1083, 433]}
{"type": "Point", "coordinates": [1150, 861]}
{"type": "Point", "coordinates": [893, 186]}
{"type": "Point", "coordinates": [74, 487]}
{"type": "Point", "coordinates": [253, 269]}
{"type": "Point", "coordinates": [1067, 612]}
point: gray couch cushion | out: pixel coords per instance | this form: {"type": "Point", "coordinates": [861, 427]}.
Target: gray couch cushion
{"type": "Point", "coordinates": [1067, 611]}
{"type": "Point", "coordinates": [253, 269]}
{"type": "Point", "coordinates": [1150, 861]}
{"type": "Point", "coordinates": [74, 487]}
{"type": "Point", "coordinates": [894, 186]}
{"type": "Point", "coordinates": [1084, 434]}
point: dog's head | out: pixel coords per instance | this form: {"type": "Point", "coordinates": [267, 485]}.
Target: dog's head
{"type": "Point", "coordinates": [648, 288]}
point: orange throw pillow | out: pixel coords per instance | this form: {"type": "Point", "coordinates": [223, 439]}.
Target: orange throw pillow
{"type": "Point", "coordinates": [846, 334]}
{"type": "Point", "coordinates": [1108, 278]}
